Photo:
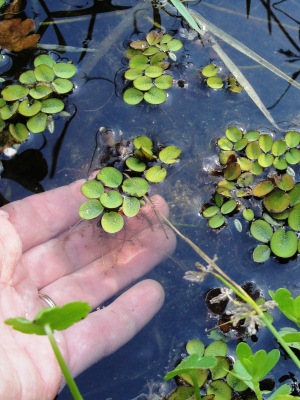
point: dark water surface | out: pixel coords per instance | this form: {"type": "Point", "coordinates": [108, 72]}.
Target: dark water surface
{"type": "Point", "coordinates": [192, 118]}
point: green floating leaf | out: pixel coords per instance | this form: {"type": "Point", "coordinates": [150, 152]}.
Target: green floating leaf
{"type": "Point", "coordinates": [135, 164]}
{"type": "Point", "coordinates": [62, 86]}
{"type": "Point", "coordinates": [174, 45]}
{"type": "Point", "coordinates": [234, 134]}
{"type": "Point", "coordinates": [216, 221]}
{"type": "Point", "coordinates": [90, 209]}
{"type": "Point", "coordinates": [228, 207]}
{"type": "Point", "coordinates": [292, 139]}
{"type": "Point", "coordinates": [139, 62]}
{"type": "Point", "coordinates": [221, 369]}
{"type": "Point", "coordinates": [158, 57]}
{"type": "Point", "coordinates": [253, 150]}
{"type": "Point", "coordinates": [217, 348]}
{"type": "Point", "coordinates": [110, 176]}
{"type": "Point", "coordinates": [225, 144]}
{"type": "Point", "coordinates": [278, 148]}
{"type": "Point", "coordinates": [154, 37]}
{"type": "Point", "coordinates": [164, 82]}
{"type": "Point", "coordinates": [135, 186]}
{"type": "Point", "coordinates": [52, 106]}
{"type": "Point", "coordinates": [210, 70]}
{"type": "Point", "coordinates": [143, 141]}
{"type": "Point", "coordinates": [295, 195]}
{"type": "Point", "coordinates": [131, 206]}
{"type": "Point", "coordinates": [44, 73]}
{"type": "Point", "coordinates": [240, 144]}
{"type": "Point", "coordinates": [29, 108]}
{"type": "Point", "coordinates": [19, 131]}
{"type": "Point", "coordinates": [280, 163]}
{"type": "Point", "coordinates": [195, 346]}
{"type": "Point", "coordinates": [150, 51]}
{"type": "Point", "coordinates": [265, 160]}
{"type": "Point", "coordinates": [248, 214]}
{"type": "Point", "coordinates": [156, 174]}
{"type": "Point", "coordinates": [112, 222]}
{"type": "Point", "coordinates": [132, 52]}
{"type": "Point", "coordinates": [40, 91]}
{"type": "Point", "coordinates": [284, 243]}
{"type": "Point", "coordinates": [293, 156]}
{"type": "Point", "coordinates": [265, 142]}
{"type": "Point", "coordinates": [277, 201]}
{"type": "Point", "coordinates": [132, 73]}
{"type": "Point", "coordinates": [155, 96]}
{"type": "Point", "coordinates": [261, 230]}
{"type": "Point", "coordinates": [220, 390]}
{"type": "Point", "coordinates": [263, 188]}
{"type": "Point", "coordinates": [92, 189]}
{"type": "Point", "coordinates": [232, 171]}
{"type": "Point", "coordinates": [64, 70]}
{"type": "Point", "coordinates": [261, 253]}
{"type": "Point", "coordinates": [139, 45]}
{"type": "Point", "coordinates": [182, 393]}
{"type": "Point", "coordinates": [166, 38]}
{"type": "Point", "coordinates": [284, 182]}
{"type": "Point", "coordinates": [14, 92]}
{"type": "Point", "coordinates": [133, 96]}
{"type": "Point", "coordinates": [227, 155]}
{"type": "Point", "coordinates": [169, 154]}
{"type": "Point", "coordinates": [210, 211]}
{"type": "Point", "coordinates": [7, 111]}
{"type": "Point", "coordinates": [214, 82]}
{"type": "Point", "coordinates": [27, 78]}
{"type": "Point", "coordinates": [294, 219]}
{"type": "Point", "coordinates": [37, 123]}
{"type": "Point", "coordinates": [44, 59]}
{"type": "Point", "coordinates": [153, 71]}
{"type": "Point", "coordinates": [143, 83]}
{"type": "Point", "coordinates": [245, 164]}
{"type": "Point", "coordinates": [111, 199]}
{"type": "Point", "coordinates": [252, 136]}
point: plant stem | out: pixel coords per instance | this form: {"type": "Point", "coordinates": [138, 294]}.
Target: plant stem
{"type": "Point", "coordinates": [234, 286]}
{"type": "Point", "coordinates": [196, 386]}
{"type": "Point", "coordinates": [63, 366]}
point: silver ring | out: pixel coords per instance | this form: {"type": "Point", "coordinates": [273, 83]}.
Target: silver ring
{"type": "Point", "coordinates": [47, 299]}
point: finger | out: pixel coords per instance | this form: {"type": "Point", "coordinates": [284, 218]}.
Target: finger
{"type": "Point", "coordinates": [106, 330]}
{"type": "Point", "coordinates": [105, 277]}
{"type": "Point", "coordinates": [86, 243]}
{"type": "Point", "coordinates": [43, 216]}
{"type": "Point", "coordinates": [10, 250]}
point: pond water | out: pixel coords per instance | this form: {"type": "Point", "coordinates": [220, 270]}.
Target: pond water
{"type": "Point", "coordinates": [193, 117]}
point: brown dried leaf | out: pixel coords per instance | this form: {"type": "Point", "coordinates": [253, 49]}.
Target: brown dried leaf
{"type": "Point", "coordinates": [15, 34]}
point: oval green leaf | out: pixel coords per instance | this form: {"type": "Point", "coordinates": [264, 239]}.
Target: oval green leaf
{"type": "Point", "coordinates": [277, 201]}
{"type": "Point", "coordinates": [135, 186]}
{"type": "Point", "coordinates": [37, 123]}
{"type": "Point", "coordinates": [111, 199]}
{"type": "Point", "coordinates": [155, 96]}
{"type": "Point", "coordinates": [169, 154]}
{"type": "Point", "coordinates": [14, 92]}
{"type": "Point", "coordinates": [261, 230]}
{"type": "Point", "coordinates": [92, 189]}
{"type": "Point", "coordinates": [261, 253]}
{"type": "Point", "coordinates": [110, 176]}
{"type": "Point", "coordinates": [64, 70]}
{"type": "Point", "coordinates": [284, 243]}
{"type": "Point", "coordinates": [133, 96]}
{"type": "Point", "coordinates": [112, 222]}
{"type": "Point", "coordinates": [90, 209]}
{"type": "Point", "coordinates": [44, 73]}
{"type": "Point", "coordinates": [131, 206]}
{"type": "Point", "coordinates": [52, 106]}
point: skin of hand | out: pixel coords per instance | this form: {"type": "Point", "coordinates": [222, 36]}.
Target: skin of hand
{"type": "Point", "coordinates": [44, 248]}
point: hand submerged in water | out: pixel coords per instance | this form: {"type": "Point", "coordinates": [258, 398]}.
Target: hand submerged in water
{"type": "Point", "coordinates": [39, 252]}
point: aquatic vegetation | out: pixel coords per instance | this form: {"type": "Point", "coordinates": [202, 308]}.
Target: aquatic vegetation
{"type": "Point", "coordinates": [209, 371]}
{"type": "Point", "coordinates": [244, 157]}
{"type": "Point", "coordinates": [48, 320]}
{"type": "Point", "coordinates": [29, 105]}
{"type": "Point", "coordinates": [213, 80]}
{"type": "Point", "coordinates": [148, 61]}
{"type": "Point", "coordinates": [115, 193]}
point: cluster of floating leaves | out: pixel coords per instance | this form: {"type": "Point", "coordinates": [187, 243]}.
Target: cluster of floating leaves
{"type": "Point", "coordinates": [213, 79]}
{"type": "Point", "coordinates": [147, 66]}
{"type": "Point", "coordinates": [29, 105]}
{"type": "Point", "coordinates": [214, 382]}
{"type": "Point", "coordinates": [114, 193]}
{"type": "Point", "coordinates": [244, 158]}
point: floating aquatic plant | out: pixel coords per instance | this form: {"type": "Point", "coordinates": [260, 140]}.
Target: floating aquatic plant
{"type": "Point", "coordinates": [213, 80]}
{"type": "Point", "coordinates": [29, 106]}
{"type": "Point", "coordinates": [147, 66]}
{"type": "Point", "coordinates": [245, 157]}
{"type": "Point", "coordinates": [117, 192]}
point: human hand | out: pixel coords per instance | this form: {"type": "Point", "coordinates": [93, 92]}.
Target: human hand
{"type": "Point", "coordinates": [40, 252]}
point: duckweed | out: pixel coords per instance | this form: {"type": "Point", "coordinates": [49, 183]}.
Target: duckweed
{"type": "Point", "coordinates": [247, 162]}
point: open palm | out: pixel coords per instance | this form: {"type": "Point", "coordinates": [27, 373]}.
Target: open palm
{"type": "Point", "coordinates": [43, 249]}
